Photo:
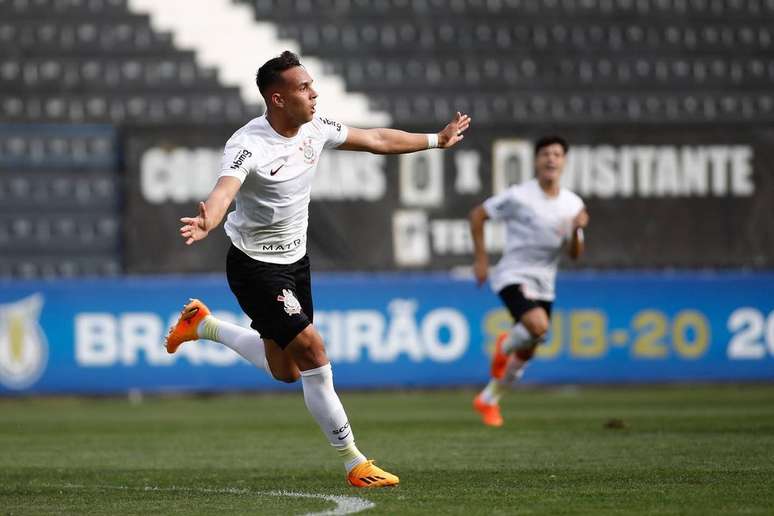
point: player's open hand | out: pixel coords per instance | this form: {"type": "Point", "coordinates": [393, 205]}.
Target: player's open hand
{"type": "Point", "coordinates": [581, 220]}
{"type": "Point", "coordinates": [452, 133]}
{"type": "Point", "coordinates": [195, 228]}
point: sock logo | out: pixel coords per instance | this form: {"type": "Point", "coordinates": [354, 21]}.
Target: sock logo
{"type": "Point", "coordinates": [343, 430]}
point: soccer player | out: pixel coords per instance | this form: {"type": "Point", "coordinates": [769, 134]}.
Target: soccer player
{"type": "Point", "coordinates": [540, 218]}
{"type": "Point", "coordinates": [268, 166]}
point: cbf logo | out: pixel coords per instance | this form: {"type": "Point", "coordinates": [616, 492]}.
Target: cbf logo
{"type": "Point", "coordinates": [308, 149]}
{"type": "Point", "coordinates": [23, 346]}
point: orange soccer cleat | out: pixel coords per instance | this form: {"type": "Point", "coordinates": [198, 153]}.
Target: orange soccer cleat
{"type": "Point", "coordinates": [499, 359]}
{"type": "Point", "coordinates": [490, 414]}
{"type": "Point", "coordinates": [367, 474]}
{"type": "Point", "coordinates": [185, 328]}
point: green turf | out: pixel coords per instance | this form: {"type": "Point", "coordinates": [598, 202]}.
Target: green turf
{"type": "Point", "coordinates": [684, 450]}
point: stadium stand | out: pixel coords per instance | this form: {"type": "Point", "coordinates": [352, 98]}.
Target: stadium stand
{"type": "Point", "coordinates": [67, 64]}
{"type": "Point", "coordinates": [72, 63]}
{"type": "Point", "coordinates": [59, 200]}
{"type": "Point", "coordinates": [553, 61]}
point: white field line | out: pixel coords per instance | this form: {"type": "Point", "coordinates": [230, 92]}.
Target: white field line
{"type": "Point", "coordinates": [344, 504]}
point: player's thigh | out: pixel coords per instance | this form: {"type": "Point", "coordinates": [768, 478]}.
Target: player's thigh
{"type": "Point", "coordinates": [516, 302]}
{"type": "Point", "coordinates": [532, 313]}
{"type": "Point", "coordinates": [267, 294]}
{"type": "Point", "coordinates": [302, 276]}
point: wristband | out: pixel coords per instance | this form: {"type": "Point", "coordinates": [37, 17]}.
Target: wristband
{"type": "Point", "coordinates": [579, 233]}
{"type": "Point", "coordinates": [432, 140]}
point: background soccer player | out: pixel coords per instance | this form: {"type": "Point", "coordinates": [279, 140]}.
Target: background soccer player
{"type": "Point", "coordinates": [540, 218]}
{"type": "Point", "coordinates": [268, 166]}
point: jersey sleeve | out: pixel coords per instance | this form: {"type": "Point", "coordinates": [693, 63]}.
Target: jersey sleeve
{"type": "Point", "coordinates": [502, 205]}
{"type": "Point", "coordinates": [236, 161]}
{"type": "Point", "coordinates": [335, 133]}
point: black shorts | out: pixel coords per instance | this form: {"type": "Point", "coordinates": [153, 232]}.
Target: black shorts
{"type": "Point", "coordinates": [518, 305]}
{"type": "Point", "coordinates": [277, 297]}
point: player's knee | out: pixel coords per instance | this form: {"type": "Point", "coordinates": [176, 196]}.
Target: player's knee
{"type": "Point", "coordinates": [536, 323]}
{"type": "Point", "coordinates": [284, 372]}
{"type": "Point", "coordinates": [537, 328]}
{"type": "Point", "coordinates": [287, 377]}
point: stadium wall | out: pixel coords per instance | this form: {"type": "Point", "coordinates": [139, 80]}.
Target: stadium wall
{"type": "Point", "coordinates": [104, 336]}
{"type": "Point", "coordinates": [679, 197]}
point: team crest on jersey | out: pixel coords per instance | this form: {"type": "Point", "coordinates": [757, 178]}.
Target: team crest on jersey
{"type": "Point", "coordinates": [292, 306]}
{"type": "Point", "coordinates": [23, 345]}
{"type": "Point", "coordinates": [308, 149]}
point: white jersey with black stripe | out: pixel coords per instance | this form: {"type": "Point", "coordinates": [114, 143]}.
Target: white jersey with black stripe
{"type": "Point", "coordinates": [272, 206]}
{"type": "Point", "coordinates": [537, 227]}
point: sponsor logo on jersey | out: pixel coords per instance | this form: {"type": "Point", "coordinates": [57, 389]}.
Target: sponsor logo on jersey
{"type": "Point", "coordinates": [239, 160]}
{"type": "Point", "coordinates": [291, 304]}
{"type": "Point", "coordinates": [335, 124]}
{"type": "Point", "coordinates": [273, 248]}
{"type": "Point", "coordinates": [23, 345]}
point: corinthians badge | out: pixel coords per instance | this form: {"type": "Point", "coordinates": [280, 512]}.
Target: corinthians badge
{"type": "Point", "coordinates": [291, 304]}
{"type": "Point", "coordinates": [308, 149]}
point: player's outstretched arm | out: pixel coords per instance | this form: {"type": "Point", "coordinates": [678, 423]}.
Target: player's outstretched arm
{"type": "Point", "coordinates": [394, 141]}
{"type": "Point", "coordinates": [477, 217]}
{"type": "Point", "coordinates": [211, 212]}
{"type": "Point", "coordinates": [577, 245]}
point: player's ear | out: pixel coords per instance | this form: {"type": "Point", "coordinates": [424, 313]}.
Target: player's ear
{"type": "Point", "coordinates": [277, 100]}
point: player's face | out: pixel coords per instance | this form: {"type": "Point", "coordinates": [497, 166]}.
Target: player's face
{"type": "Point", "coordinates": [299, 95]}
{"type": "Point", "coordinates": [549, 162]}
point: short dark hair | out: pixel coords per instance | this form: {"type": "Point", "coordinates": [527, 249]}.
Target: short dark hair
{"type": "Point", "coordinates": [269, 73]}
{"type": "Point", "coordinates": [545, 141]}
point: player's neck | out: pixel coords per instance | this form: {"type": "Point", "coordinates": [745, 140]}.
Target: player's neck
{"type": "Point", "coordinates": [281, 125]}
{"type": "Point", "coordinates": [550, 188]}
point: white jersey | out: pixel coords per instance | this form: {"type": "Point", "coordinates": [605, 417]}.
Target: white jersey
{"type": "Point", "coordinates": [272, 206]}
{"type": "Point", "coordinates": [537, 227]}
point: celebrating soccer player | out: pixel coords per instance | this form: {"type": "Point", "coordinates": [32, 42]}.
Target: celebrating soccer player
{"type": "Point", "coordinates": [268, 166]}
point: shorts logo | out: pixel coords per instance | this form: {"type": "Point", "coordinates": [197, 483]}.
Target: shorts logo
{"type": "Point", "coordinates": [23, 346]}
{"type": "Point", "coordinates": [292, 306]}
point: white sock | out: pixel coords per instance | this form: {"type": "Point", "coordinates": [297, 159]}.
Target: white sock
{"type": "Point", "coordinates": [495, 389]}
{"type": "Point", "coordinates": [324, 405]}
{"type": "Point", "coordinates": [513, 371]}
{"type": "Point", "coordinates": [351, 456]}
{"type": "Point", "coordinates": [517, 338]}
{"type": "Point", "coordinates": [245, 341]}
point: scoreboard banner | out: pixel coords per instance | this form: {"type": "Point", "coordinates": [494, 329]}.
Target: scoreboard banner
{"type": "Point", "coordinates": [383, 331]}
{"type": "Point", "coordinates": [677, 197]}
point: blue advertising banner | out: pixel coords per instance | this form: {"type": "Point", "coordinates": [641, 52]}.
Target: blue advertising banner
{"type": "Point", "coordinates": [106, 336]}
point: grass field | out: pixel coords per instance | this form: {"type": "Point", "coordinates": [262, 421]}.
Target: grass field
{"type": "Point", "coordinates": [683, 450]}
